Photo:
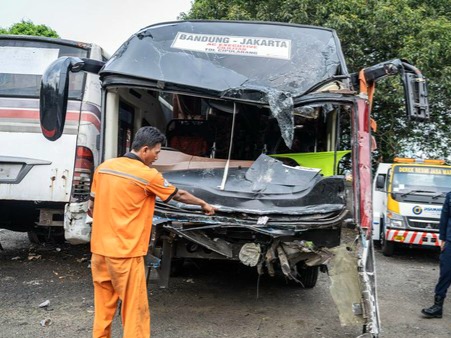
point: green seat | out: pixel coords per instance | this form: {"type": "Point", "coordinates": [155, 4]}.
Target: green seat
{"type": "Point", "coordinates": [322, 160]}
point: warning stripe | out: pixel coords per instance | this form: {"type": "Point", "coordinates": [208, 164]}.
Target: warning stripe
{"type": "Point", "coordinates": [413, 237]}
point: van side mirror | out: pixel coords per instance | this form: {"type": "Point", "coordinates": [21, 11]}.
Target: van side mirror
{"type": "Point", "coordinates": [380, 182]}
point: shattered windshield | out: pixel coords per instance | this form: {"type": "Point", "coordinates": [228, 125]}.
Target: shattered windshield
{"type": "Point", "coordinates": [252, 61]}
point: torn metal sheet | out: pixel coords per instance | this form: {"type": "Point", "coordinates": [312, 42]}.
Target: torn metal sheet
{"type": "Point", "coordinates": [267, 187]}
{"type": "Point", "coordinates": [77, 223]}
{"type": "Point", "coordinates": [345, 285]}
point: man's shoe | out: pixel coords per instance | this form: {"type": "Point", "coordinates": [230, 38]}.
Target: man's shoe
{"type": "Point", "coordinates": [436, 310]}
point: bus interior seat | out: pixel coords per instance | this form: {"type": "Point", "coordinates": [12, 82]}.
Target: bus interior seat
{"type": "Point", "coordinates": [193, 137]}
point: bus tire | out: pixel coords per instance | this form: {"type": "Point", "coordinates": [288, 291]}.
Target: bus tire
{"type": "Point", "coordinates": [33, 237]}
{"type": "Point", "coordinates": [45, 235]}
{"type": "Point", "coordinates": [307, 275]}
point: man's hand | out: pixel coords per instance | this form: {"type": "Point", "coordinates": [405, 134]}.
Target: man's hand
{"type": "Point", "coordinates": [442, 245]}
{"type": "Point", "coordinates": [208, 209]}
{"type": "Point", "coordinates": [185, 197]}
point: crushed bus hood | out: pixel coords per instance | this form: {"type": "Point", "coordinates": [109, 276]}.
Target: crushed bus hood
{"type": "Point", "coordinates": [267, 187]}
{"type": "Point", "coordinates": [262, 213]}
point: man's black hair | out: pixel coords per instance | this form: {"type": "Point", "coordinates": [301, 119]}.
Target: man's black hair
{"type": "Point", "coordinates": [148, 136]}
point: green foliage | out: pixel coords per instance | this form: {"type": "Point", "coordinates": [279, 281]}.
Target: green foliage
{"type": "Point", "coordinates": [373, 31]}
{"type": "Point", "coordinates": [29, 28]}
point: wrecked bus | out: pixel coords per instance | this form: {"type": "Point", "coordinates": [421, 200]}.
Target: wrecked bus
{"type": "Point", "coordinates": [263, 120]}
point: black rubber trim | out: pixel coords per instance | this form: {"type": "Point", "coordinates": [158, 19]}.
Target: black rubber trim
{"type": "Point", "coordinates": [171, 196]}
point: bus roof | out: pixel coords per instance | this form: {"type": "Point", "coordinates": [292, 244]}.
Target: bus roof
{"type": "Point", "coordinates": [72, 43]}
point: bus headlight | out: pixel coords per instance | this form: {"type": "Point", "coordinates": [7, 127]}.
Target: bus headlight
{"type": "Point", "coordinates": [395, 220]}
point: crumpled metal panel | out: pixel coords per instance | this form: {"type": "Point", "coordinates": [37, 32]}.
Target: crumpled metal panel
{"type": "Point", "coordinates": [77, 223]}
{"type": "Point", "coordinates": [345, 288]}
{"type": "Point", "coordinates": [267, 186]}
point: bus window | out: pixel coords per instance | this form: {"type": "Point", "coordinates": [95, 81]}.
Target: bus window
{"type": "Point", "coordinates": [22, 63]}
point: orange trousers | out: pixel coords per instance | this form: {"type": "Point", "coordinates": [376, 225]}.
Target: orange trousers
{"type": "Point", "coordinates": [124, 279]}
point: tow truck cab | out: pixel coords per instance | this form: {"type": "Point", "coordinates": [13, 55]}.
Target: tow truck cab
{"type": "Point", "coordinates": [407, 202]}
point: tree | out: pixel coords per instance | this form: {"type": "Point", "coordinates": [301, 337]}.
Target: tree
{"type": "Point", "coordinates": [29, 28]}
{"type": "Point", "coordinates": [372, 31]}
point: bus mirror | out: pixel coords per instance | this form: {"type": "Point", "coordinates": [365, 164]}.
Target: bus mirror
{"type": "Point", "coordinates": [380, 182]}
{"type": "Point", "coordinates": [53, 96]}
{"type": "Point", "coordinates": [416, 96]}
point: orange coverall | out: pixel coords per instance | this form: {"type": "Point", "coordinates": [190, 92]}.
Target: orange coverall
{"type": "Point", "coordinates": [124, 191]}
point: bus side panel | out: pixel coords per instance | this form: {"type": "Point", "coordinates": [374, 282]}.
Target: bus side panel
{"type": "Point", "coordinates": [47, 182]}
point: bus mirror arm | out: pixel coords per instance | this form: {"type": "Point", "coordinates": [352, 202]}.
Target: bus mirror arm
{"type": "Point", "coordinates": [415, 87]}
{"type": "Point", "coordinates": [89, 65]}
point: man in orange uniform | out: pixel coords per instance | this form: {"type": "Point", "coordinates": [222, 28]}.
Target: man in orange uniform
{"type": "Point", "coordinates": [122, 205]}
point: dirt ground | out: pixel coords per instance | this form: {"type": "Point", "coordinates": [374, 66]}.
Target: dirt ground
{"type": "Point", "coordinates": [208, 300]}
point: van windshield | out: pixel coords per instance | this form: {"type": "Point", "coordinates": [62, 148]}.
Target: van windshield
{"type": "Point", "coordinates": [434, 179]}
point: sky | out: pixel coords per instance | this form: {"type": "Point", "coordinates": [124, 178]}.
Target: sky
{"type": "Point", "coordinates": [107, 23]}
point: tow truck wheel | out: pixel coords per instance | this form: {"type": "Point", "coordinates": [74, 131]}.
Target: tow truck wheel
{"type": "Point", "coordinates": [307, 275]}
{"type": "Point", "coordinates": [388, 247]}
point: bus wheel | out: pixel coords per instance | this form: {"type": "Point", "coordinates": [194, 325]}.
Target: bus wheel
{"type": "Point", "coordinates": [388, 247]}
{"type": "Point", "coordinates": [33, 237]}
{"type": "Point", "coordinates": [307, 275]}
{"type": "Point", "coordinates": [41, 235]}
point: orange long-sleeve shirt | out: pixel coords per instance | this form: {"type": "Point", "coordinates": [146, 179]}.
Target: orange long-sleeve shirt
{"type": "Point", "coordinates": [124, 191]}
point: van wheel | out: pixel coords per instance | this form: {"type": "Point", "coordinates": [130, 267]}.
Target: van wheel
{"type": "Point", "coordinates": [307, 275]}
{"type": "Point", "coordinates": [388, 247]}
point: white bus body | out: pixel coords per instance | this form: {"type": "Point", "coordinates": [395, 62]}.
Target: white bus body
{"type": "Point", "coordinates": [38, 179]}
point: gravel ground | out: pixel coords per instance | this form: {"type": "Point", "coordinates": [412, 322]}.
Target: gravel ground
{"type": "Point", "coordinates": [208, 299]}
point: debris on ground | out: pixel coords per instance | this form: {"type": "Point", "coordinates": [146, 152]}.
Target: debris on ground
{"type": "Point", "coordinates": [44, 304]}
{"type": "Point", "coordinates": [32, 256]}
{"type": "Point", "coordinates": [46, 322]}
{"type": "Point", "coordinates": [33, 282]}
